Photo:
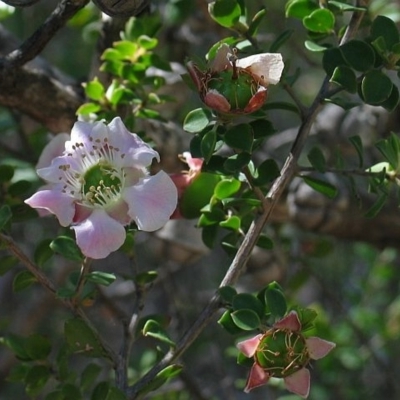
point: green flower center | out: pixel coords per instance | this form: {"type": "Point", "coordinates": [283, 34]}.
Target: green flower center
{"type": "Point", "coordinates": [282, 352]}
{"type": "Point", "coordinates": [102, 184]}
{"type": "Point", "coordinates": [238, 90]}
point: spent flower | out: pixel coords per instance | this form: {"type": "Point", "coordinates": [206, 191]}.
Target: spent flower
{"type": "Point", "coordinates": [236, 86]}
{"type": "Point", "coordinates": [283, 352]}
{"type": "Point", "coordinates": [98, 182]}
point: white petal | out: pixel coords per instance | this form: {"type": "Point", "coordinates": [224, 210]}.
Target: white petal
{"type": "Point", "coordinates": [82, 132]}
{"type": "Point", "coordinates": [59, 204]}
{"type": "Point", "coordinates": [152, 201]}
{"type": "Point", "coordinates": [53, 149]}
{"type": "Point", "coordinates": [267, 66]}
{"type": "Point", "coordinates": [138, 153]}
{"type": "Point", "coordinates": [99, 235]}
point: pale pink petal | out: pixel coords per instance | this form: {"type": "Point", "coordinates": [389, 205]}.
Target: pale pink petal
{"type": "Point", "coordinates": [290, 322]}
{"type": "Point", "coordinates": [137, 152]}
{"type": "Point", "coordinates": [267, 66]}
{"type": "Point", "coordinates": [53, 149]}
{"type": "Point", "coordinates": [152, 201]}
{"type": "Point", "coordinates": [299, 382]}
{"type": "Point", "coordinates": [249, 346]}
{"type": "Point", "coordinates": [194, 164]}
{"type": "Point", "coordinates": [52, 173]}
{"type": "Point", "coordinates": [57, 203]}
{"type": "Point", "coordinates": [257, 377]}
{"type": "Point", "coordinates": [318, 348]}
{"type": "Point", "coordinates": [99, 235]}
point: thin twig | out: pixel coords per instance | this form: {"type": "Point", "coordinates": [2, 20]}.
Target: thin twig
{"type": "Point", "coordinates": [32, 46]}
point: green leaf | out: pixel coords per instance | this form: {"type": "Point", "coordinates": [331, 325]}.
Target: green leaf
{"type": "Point", "coordinates": [88, 108]}
{"type": "Point", "coordinates": [37, 347]}
{"type": "Point", "coordinates": [226, 188]}
{"type": "Point", "coordinates": [236, 162]}
{"type": "Point", "coordinates": [147, 42]}
{"type": "Point", "coordinates": [275, 301]}
{"type": "Point", "coordinates": [6, 173]}
{"type": "Point", "coordinates": [377, 206]}
{"type": "Point", "coordinates": [19, 188]}
{"type": "Point", "coordinates": [5, 215]}
{"type": "Point", "coordinates": [267, 171]}
{"type": "Point", "coordinates": [249, 302]}
{"type": "Point", "coordinates": [376, 87]}
{"type": "Point", "coordinates": [280, 40]}
{"type": "Point", "coordinates": [196, 120]}
{"type": "Point", "coordinates": [317, 159]}
{"type": "Point", "coordinates": [198, 194]}
{"type": "Point", "coordinates": [247, 320]}
{"type": "Point", "coordinates": [105, 391]}
{"type": "Point", "coordinates": [227, 293]}
{"type": "Point", "coordinates": [320, 186]}
{"type": "Point", "coordinates": [345, 77]}
{"type": "Point", "coordinates": [89, 375]}
{"type": "Point", "coordinates": [392, 101]}
{"type": "Point", "coordinates": [207, 145]}
{"type": "Point", "coordinates": [144, 278]}
{"type": "Point", "coordinates": [306, 317]}
{"type": "Point", "coordinates": [321, 20]}
{"type": "Point", "coordinates": [331, 59]}
{"type": "Point", "coordinates": [357, 143]}
{"type": "Point", "coordinates": [153, 329]}
{"type": "Point", "coordinates": [81, 339]}
{"type": "Point", "coordinates": [100, 278]}
{"type": "Point", "coordinates": [94, 89]}
{"type": "Point", "coordinates": [42, 252]}
{"type": "Point", "coordinates": [300, 8]}
{"type": "Point", "coordinates": [255, 22]}
{"type": "Point", "coordinates": [67, 247]}
{"type": "Point", "coordinates": [7, 263]}
{"type": "Point", "coordinates": [23, 280]}
{"type": "Point", "coordinates": [227, 323]}
{"type": "Point", "coordinates": [160, 379]}
{"type": "Point", "coordinates": [312, 46]}
{"type": "Point", "coordinates": [386, 28]}
{"type": "Point", "coordinates": [240, 137]}
{"type": "Point", "coordinates": [390, 149]}
{"type": "Point", "coordinates": [344, 6]}
{"type": "Point", "coordinates": [358, 54]}
{"type": "Point", "coordinates": [265, 242]}
{"type": "Point", "coordinates": [233, 222]}
{"type": "Point", "coordinates": [225, 12]}
{"type": "Point", "coordinates": [36, 379]}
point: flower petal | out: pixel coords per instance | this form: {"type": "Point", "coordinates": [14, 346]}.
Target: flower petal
{"type": "Point", "coordinates": [221, 60]}
{"type": "Point", "coordinates": [216, 101]}
{"type": "Point", "coordinates": [86, 133]}
{"type": "Point", "coordinates": [152, 201]}
{"type": "Point", "coordinates": [299, 382]}
{"type": "Point", "coordinates": [257, 377]}
{"type": "Point", "coordinates": [99, 235]}
{"type": "Point", "coordinates": [318, 348]}
{"type": "Point", "coordinates": [59, 204]}
{"type": "Point", "coordinates": [137, 152]}
{"type": "Point", "coordinates": [249, 346]}
{"type": "Point", "coordinates": [53, 149]}
{"type": "Point", "coordinates": [267, 67]}
{"type": "Point", "coordinates": [290, 321]}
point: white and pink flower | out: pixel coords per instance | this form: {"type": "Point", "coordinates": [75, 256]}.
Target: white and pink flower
{"type": "Point", "coordinates": [98, 182]}
{"type": "Point", "coordinates": [283, 352]}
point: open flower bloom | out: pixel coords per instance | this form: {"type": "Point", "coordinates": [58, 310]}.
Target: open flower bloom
{"type": "Point", "coordinates": [237, 86]}
{"type": "Point", "coordinates": [98, 182]}
{"type": "Point", "coordinates": [283, 352]}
